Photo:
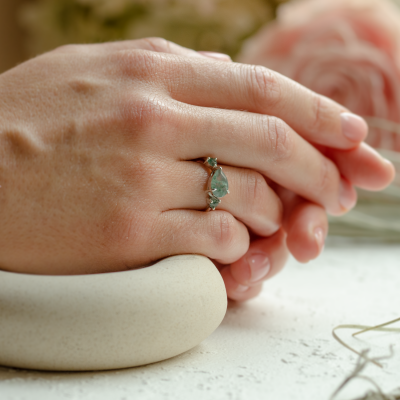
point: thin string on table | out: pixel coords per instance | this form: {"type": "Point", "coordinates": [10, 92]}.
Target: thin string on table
{"type": "Point", "coordinates": [363, 329]}
{"type": "Point", "coordinates": [364, 360]}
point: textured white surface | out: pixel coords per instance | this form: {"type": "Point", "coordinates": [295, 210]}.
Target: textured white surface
{"type": "Point", "coordinates": [278, 346]}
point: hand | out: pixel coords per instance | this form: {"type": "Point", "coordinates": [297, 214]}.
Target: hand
{"type": "Point", "coordinates": [97, 143]}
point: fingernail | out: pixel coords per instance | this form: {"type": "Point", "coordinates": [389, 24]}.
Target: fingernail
{"type": "Point", "coordinates": [259, 266]}
{"type": "Point", "coordinates": [319, 238]}
{"type": "Point", "coordinates": [216, 56]}
{"type": "Point", "coordinates": [241, 288]}
{"type": "Point", "coordinates": [354, 127]}
{"type": "Point", "coordinates": [347, 199]}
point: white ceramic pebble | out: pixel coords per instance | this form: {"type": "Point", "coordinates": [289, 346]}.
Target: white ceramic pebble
{"type": "Point", "coordinates": [109, 321]}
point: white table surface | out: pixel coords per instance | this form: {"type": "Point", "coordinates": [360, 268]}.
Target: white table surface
{"type": "Point", "coordinates": [278, 346]}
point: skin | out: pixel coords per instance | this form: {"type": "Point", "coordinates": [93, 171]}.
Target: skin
{"type": "Point", "coordinates": [98, 171]}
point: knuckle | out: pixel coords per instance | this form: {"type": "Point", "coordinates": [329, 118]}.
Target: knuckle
{"type": "Point", "coordinates": [276, 139]}
{"type": "Point", "coordinates": [83, 86]}
{"type": "Point", "coordinates": [224, 231]}
{"type": "Point", "coordinates": [137, 63]}
{"type": "Point", "coordinates": [20, 145]}
{"type": "Point", "coordinates": [158, 44]}
{"type": "Point", "coordinates": [145, 113]}
{"type": "Point", "coordinates": [264, 85]}
{"type": "Point", "coordinates": [152, 118]}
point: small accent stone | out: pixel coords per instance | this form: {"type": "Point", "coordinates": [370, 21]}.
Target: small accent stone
{"type": "Point", "coordinates": [213, 201]}
{"type": "Point", "coordinates": [212, 162]}
{"type": "Point", "coordinates": [219, 184]}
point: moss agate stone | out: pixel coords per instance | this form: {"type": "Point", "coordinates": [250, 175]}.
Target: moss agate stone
{"type": "Point", "coordinates": [219, 183]}
{"type": "Point", "coordinates": [213, 202]}
{"type": "Point", "coordinates": [212, 162]}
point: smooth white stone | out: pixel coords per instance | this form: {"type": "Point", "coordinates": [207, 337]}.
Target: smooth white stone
{"type": "Point", "coordinates": [109, 321]}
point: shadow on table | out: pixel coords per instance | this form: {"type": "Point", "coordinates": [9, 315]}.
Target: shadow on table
{"type": "Point", "coordinates": [65, 376]}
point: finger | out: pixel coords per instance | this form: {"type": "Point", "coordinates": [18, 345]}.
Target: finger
{"type": "Point", "coordinates": [264, 259]}
{"type": "Point", "coordinates": [265, 144]}
{"type": "Point", "coordinates": [305, 223]}
{"type": "Point", "coordinates": [307, 228]}
{"type": "Point", "coordinates": [250, 200]}
{"type": "Point", "coordinates": [260, 90]}
{"type": "Point", "coordinates": [363, 167]}
{"type": "Point", "coordinates": [236, 291]}
{"type": "Point", "coordinates": [217, 235]}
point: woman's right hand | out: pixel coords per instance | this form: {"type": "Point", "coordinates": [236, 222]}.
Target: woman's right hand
{"type": "Point", "coordinates": [97, 146]}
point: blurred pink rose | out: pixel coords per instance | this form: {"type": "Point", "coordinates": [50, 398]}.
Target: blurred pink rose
{"type": "Point", "coordinates": [348, 50]}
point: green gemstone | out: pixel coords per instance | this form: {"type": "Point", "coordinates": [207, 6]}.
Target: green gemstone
{"type": "Point", "coordinates": [214, 201]}
{"type": "Point", "coordinates": [212, 162]}
{"type": "Point", "coordinates": [219, 184]}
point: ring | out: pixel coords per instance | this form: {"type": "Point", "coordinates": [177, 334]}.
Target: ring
{"type": "Point", "coordinates": [217, 185]}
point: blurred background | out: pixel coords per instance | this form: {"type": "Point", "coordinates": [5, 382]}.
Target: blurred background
{"type": "Point", "coordinates": [11, 37]}
{"type": "Point", "coordinates": [31, 27]}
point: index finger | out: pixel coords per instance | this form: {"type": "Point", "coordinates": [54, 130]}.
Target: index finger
{"type": "Point", "coordinates": [260, 90]}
